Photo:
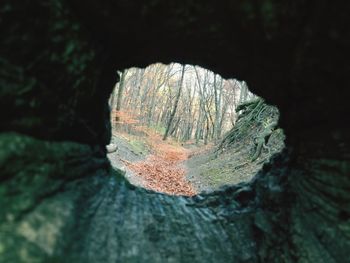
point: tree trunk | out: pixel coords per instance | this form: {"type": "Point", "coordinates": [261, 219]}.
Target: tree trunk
{"type": "Point", "coordinates": [112, 98]}
{"type": "Point", "coordinates": [120, 96]}
{"type": "Point", "coordinates": [175, 105]}
{"type": "Point", "coordinates": [217, 101]}
{"type": "Point", "coordinates": [152, 108]}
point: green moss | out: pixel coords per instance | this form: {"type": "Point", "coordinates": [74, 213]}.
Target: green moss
{"type": "Point", "coordinates": [158, 128]}
{"type": "Point", "coordinates": [138, 146]}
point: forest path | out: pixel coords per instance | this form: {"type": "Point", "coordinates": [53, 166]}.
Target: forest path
{"type": "Point", "coordinates": [163, 170]}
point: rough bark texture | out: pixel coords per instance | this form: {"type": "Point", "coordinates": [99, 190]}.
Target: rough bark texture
{"type": "Point", "coordinates": [61, 202]}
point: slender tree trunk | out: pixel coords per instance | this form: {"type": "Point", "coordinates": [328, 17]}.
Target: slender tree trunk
{"type": "Point", "coordinates": [217, 101]}
{"type": "Point", "coordinates": [120, 96]}
{"type": "Point", "coordinates": [160, 82]}
{"type": "Point", "coordinates": [199, 123]}
{"type": "Point", "coordinates": [138, 85]}
{"type": "Point", "coordinates": [207, 131]}
{"type": "Point", "coordinates": [233, 111]}
{"type": "Point", "coordinates": [112, 98]}
{"type": "Point", "coordinates": [175, 128]}
{"type": "Point", "coordinates": [204, 103]}
{"type": "Point", "coordinates": [223, 115]}
{"type": "Point", "coordinates": [175, 105]}
{"type": "Point", "coordinates": [221, 110]}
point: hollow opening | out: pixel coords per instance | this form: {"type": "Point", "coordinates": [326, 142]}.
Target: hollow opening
{"type": "Point", "coordinates": [182, 129]}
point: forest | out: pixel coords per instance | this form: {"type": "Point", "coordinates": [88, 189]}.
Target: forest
{"type": "Point", "coordinates": [182, 101]}
{"type": "Point", "coordinates": [182, 129]}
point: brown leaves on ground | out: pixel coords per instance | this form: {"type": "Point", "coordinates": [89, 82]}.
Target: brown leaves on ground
{"type": "Point", "coordinates": [162, 175]}
{"type": "Point", "coordinates": [162, 171]}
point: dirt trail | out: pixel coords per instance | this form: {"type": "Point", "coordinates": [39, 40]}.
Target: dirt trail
{"type": "Point", "coordinates": [163, 170]}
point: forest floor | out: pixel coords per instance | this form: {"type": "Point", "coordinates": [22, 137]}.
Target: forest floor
{"type": "Point", "coordinates": [152, 163]}
{"type": "Point", "coordinates": [209, 170]}
{"type": "Point", "coordinates": [187, 169]}
{"type": "Point", "coordinates": [175, 169]}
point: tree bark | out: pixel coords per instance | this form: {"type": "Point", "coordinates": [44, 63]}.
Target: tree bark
{"type": "Point", "coordinates": [175, 105]}
{"type": "Point", "coordinates": [120, 96]}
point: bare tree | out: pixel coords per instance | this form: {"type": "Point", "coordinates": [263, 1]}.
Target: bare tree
{"type": "Point", "coordinates": [218, 101]}
{"type": "Point", "coordinates": [120, 94]}
{"type": "Point", "coordinates": [176, 104]}
{"type": "Point", "coordinates": [182, 102]}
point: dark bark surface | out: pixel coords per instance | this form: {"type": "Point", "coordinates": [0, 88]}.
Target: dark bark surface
{"type": "Point", "coordinates": [61, 202]}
